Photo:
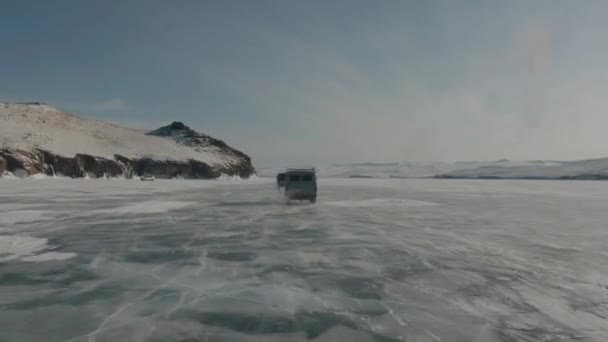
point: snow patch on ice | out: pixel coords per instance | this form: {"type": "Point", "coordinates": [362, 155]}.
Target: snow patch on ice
{"type": "Point", "coordinates": [559, 310]}
{"type": "Point", "coordinates": [49, 256]}
{"type": "Point", "coordinates": [382, 202]}
{"type": "Point", "coordinates": [225, 177]}
{"type": "Point", "coordinates": [15, 206]}
{"type": "Point", "coordinates": [8, 175]}
{"type": "Point", "coordinates": [22, 216]}
{"type": "Point", "coordinates": [41, 176]}
{"type": "Point", "coordinates": [148, 207]}
{"type": "Point", "coordinates": [28, 248]}
{"type": "Point", "coordinates": [16, 246]}
{"type": "Point", "coordinates": [235, 178]}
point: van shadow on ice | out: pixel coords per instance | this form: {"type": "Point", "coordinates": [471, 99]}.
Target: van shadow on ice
{"type": "Point", "coordinates": [262, 203]}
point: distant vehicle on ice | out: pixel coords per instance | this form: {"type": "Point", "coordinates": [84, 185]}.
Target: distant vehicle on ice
{"type": "Point", "coordinates": [147, 178]}
{"type": "Point", "coordinates": [280, 180]}
{"type": "Point", "coordinates": [301, 184]}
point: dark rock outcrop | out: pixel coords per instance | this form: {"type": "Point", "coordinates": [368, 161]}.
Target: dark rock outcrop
{"type": "Point", "coordinates": [175, 169]}
{"type": "Point", "coordinates": [2, 165]}
{"type": "Point", "coordinates": [184, 135]}
{"type": "Point", "coordinates": [58, 165]}
{"type": "Point", "coordinates": [24, 163]}
{"type": "Point", "coordinates": [98, 167]}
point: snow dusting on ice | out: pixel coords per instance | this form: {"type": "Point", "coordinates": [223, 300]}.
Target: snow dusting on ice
{"type": "Point", "coordinates": [27, 248]}
{"type": "Point", "coordinates": [19, 216]}
{"type": "Point", "coordinates": [146, 207]}
{"type": "Point", "coordinates": [380, 202]}
{"type": "Point", "coordinates": [372, 260]}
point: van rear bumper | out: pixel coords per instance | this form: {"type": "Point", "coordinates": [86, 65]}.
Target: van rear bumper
{"type": "Point", "coordinates": [300, 196]}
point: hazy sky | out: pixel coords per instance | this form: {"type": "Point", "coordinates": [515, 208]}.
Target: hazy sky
{"type": "Point", "coordinates": [315, 82]}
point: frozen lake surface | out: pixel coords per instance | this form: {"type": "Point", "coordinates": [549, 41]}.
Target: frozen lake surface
{"type": "Point", "coordinates": [373, 260]}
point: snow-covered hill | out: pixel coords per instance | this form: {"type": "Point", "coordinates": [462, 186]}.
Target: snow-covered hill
{"type": "Point", "coordinates": [34, 137]}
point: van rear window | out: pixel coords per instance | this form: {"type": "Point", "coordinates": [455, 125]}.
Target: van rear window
{"type": "Point", "coordinates": [294, 178]}
{"type": "Point", "coordinates": [307, 178]}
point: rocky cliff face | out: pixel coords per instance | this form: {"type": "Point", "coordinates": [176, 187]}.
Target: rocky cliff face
{"type": "Point", "coordinates": [37, 139]}
{"type": "Point", "coordinates": [24, 163]}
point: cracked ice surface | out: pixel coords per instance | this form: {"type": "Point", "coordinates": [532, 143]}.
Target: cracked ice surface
{"type": "Point", "coordinates": [372, 260]}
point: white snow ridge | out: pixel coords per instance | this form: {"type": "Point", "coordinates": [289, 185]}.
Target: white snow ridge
{"type": "Point", "coordinates": [31, 125]}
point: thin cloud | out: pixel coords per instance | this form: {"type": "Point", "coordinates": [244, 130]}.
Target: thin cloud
{"type": "Point", "coordinates": [339, 111]}
{"type": "Point", "coordinates": [490, 95]}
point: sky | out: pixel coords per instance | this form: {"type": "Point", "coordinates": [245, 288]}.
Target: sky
{"type": "Point", "coordinates": [326, 81]}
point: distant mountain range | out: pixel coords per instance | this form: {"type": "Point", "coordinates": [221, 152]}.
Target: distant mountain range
{"type": "Point", "coordinates": [593, 169]}
{"type": "Point", "coordinates": [38, 139]}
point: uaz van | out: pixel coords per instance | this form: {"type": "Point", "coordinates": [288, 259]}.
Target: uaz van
{"type": "Point", "coordinates": [301, 184]}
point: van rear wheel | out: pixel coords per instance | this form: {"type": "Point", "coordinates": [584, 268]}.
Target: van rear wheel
{"type": "Point", "coordinates": [313, 200]}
